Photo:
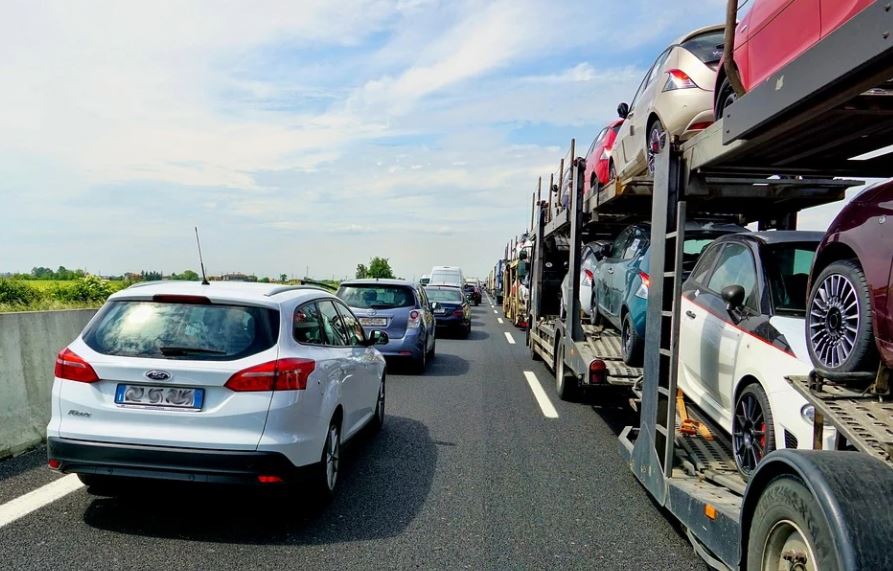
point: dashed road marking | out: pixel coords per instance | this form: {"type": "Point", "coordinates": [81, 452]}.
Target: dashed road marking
{"type": "Point", "coordinates": [540, 395]}
{"type": "Point", "coordinates": [499, 319]}
{"type": "Point", "coordinates": [509, 338]}
{"type": "Point", "coordinates": [496, 312]}
{"type": "Point", "coordinates": [36, 499]}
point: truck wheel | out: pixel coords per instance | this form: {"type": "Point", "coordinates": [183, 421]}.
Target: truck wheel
{"type": "Point", "coordinates": [753, 431]}
{"type": "Point", "coordinates": [788, 530]}
{"type": "Point", "coordinates": [565, 383]}
{"type": "Point", "coordinates": [632, 343]}
{"type": "Point", "coordinates": [839, 332]}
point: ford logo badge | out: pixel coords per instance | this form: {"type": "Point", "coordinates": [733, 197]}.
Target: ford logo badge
{"type": "Point", "coordinates": [158, 375]}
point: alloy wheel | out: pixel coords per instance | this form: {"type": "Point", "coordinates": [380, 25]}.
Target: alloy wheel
{"type": "Point", "coordinates": [333, 457]}
{"type": "Point", "coordinates": [626, 338]}
{"type": "Point", "coordinates": [749, 433]}
{"type": "Point", "coordinates": [655, 144]}
{"type": "Point", "coordinates": [834, 320]}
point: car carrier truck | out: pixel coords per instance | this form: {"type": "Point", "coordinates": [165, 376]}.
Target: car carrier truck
{"type": "Point", "coordinates": [788, 144]}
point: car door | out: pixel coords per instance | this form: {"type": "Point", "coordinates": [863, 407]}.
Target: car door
{"type": "Point", "coordinates": [721, 335]}
{"type": "Point", "coordinates": [632, 257]}
{"type": "Point", "coordinates": [608, 296]}
{"type": "Point", "coordinates": [587, 279]}
{"type": "Point", "coordinates": [337, 338]}
{"type": "Point", "coordinates": [363, 377]}
{"type": "Point", "coordinates": [780, 30]}
{"type": "Point", "coordinates": [836, 12]}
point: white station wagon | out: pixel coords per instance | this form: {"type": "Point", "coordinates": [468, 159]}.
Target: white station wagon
{"type": "Point", "coordinates": [227, 383]}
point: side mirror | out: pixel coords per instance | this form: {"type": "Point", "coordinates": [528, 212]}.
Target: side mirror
{"type": "Point", "coordinates": [378, 337]}
{"type": "Point", "coordinates": [733, 295]}
{"type": "Point", "coordinates": [434, 305]}
{"type": "Point", "coordinates": [623, 110]}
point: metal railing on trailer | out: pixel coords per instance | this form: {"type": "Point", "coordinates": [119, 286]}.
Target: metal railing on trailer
{"type": "Point", "coordinates": [806, 124]}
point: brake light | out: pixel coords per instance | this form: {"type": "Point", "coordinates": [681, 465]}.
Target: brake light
{"type": "Point", "coordinates": [415, 319]}
{"type": "Point", "coordinates": [606, 155]}
{"type": "Point", "coordinates": [598, 372]}
{"type": "Point", "coordinates": [280, 375]}
{"type": "Point", "coordinates": [53, 464]}
{"type": "Point", "coordinates": [458, 313]}
{"type": "Point", "coordinates": [588, 276]}
{"type": "Point", "coordinates": [199, 299]}
{"type": "Point", "coordinates": [700, 126]}
{"type": "Point", "coordinates": [678, 79]}
{"type": "Point", "coordinates": [646, 279]}
{"type": "Point", "coordinates": [269, 479]}
{"type": "Point", "coordinates": [643, 287]}
{"type": "Point", "coordinates": [71, 367]}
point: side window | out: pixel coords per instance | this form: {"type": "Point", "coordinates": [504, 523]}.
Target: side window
{"type": "Point", "coordinates": [307, 325]}
{"type": "Point", "coordinates": [705, 264]}
{"type": "Point", "coordinates": [658, 65]}
{"type": "Point", "coordinates": [636, 246]}
{"type": "Point", "coordinates": [352, 327]}
{"type": "Point", "coordinates": [620, 243]}
{"type": "Point", "coordinates": [332, 326]}
{"type": "Point", "coordinates": [736, 267]}
{"type": "Point", "coordinates": [639, 91]}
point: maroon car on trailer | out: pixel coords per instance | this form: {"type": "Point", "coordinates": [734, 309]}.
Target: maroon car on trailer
{"type": "Point", "coordinates": [850, 320]}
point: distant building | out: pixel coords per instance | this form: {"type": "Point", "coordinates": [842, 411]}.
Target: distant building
{"type": "Point", "coordinates": [237, 277]}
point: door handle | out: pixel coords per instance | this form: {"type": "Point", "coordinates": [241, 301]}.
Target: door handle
{"type": "Point", "coordinates": [610, 270]}
{"type": "Point", "coordinates": [690, 314]}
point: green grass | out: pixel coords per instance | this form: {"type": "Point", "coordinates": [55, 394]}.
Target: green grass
{"type": "Point", "coordinates": [46, 305]}
{"type": "Point", "coordinates": [50, 285]}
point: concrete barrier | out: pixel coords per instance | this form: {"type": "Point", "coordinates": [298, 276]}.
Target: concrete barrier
{"type": "Point", "coordinates": [29, 342]}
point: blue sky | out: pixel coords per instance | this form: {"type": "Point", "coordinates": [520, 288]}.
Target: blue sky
{"type": "Point", "coordinates": [302, 134]}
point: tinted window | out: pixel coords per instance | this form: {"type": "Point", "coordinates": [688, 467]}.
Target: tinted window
{"type": "Point", "coordinates": [621, 242]}
{"type": "Point", "coordinates": [210, 332]}
{"type": "Point", "coordinates": [691, 252]}
{"type": "Point", "coordinates": [656, 70]}
{"type": "Point", "coordinates": [705, 264]}
{"type": "Point", "coordinates": [444, 295]}
{"type": "Point", "coordinates": [352, 327]}
{"type": "Point", "coordinates": [787, 272]}
{"type": "Point", "coordinates": [376, 296]}
{"type": "Point", "coordinates": [736, 267]}
{"type": "Point", "coordinates": [332, 326]}
{"type": "Point", "coordinates": [307, 326]}
{"type": "Point", "coordinates": [706, 46]}
{"type": "Point", "coordinates": [636, 246]}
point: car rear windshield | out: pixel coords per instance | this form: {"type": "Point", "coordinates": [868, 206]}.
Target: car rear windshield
{"type": "Point", "coordinates": [376, 296]}
{"type": "Point", "coordinates": [163, 330]}
{"type": "Point", "coordinates": [444, 295]}
{"type": "Point", "coordinates": [706, 47]}
{"type": "Point", "coordinates": [787, 271]}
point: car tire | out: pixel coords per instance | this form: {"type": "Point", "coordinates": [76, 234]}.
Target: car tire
{"type": "Point", "coordinates": [786, 520]}
{"type": "Point", "coordinates": [595, 318]}
{"type": "Point", "coordinates": [378, 418]}
{"type": "Point", "coordinates": [327, 473]}
{"type": "Point", "coordinates": [753, 430]}
{"type": "Point", "coordinates": [565, 383]}
{"type": "Point", "coordinates": [631, 342]}
{"type": "Point", "coordinates": [654, 143]}
{"type": "Point", "coordinates": [433, 349]}
{"type": "Point", "coordinates": [420, 363]}
{"type": "Point", "coordinates": [101, 484]}
{"type": "Point", "coordinates": [726, 97]}
{"type": "Point", "coordinates": [828, 309]}
{"type": "Point", "coordinates": [466, 331]}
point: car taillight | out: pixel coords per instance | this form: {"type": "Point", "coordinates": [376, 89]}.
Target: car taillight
{"type": "Point", "coordinates": [280, 375]}
{"type": "Point", "coordinates": [700, 126]}
{"type": "Point", "coordinates": [606, 155]}
{"type": "Point", "coordinates": [643, 287]}
{"type": "Point", "coordinates": [678, 79]}
{"type": "Point", "coordinates": [588, 277]}
{"type": "Point", "coordinates": [458, 313]}
{"type": "Point", "coordinates": [598, 372]}
{"type": "Point", "coordinates": [415, 319]}
{"type": "Point", "coordinates": [71, 367]}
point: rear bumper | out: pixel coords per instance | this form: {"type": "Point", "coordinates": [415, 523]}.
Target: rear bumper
{"type": "Point", "coordinates": [164, 463]}
{"type": "Point", "coordinates": [452, 322]}
{"type": "Point", "coordinates": [410, 345]}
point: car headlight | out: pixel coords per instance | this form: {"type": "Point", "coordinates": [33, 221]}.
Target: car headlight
{"type": "Point", "coordinates": [807, 411]}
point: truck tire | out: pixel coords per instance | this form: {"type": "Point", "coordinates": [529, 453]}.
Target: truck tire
{"type": "Point", "coordinates": [788, 530]}
{"type": "Point", "coordinates": [565, 383]}
{"type": "Point", "coordinates": [839, 333]}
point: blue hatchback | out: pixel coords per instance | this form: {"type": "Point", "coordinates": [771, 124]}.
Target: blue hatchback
{"type": "Point", "coordinates": [398, 308]}
{"type": "Point", "coordinates": [622, 278]}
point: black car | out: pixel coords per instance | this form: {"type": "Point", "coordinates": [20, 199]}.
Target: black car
{"type": "Point", "coordinates": [451, 309]}
{"type": "Point", "coordinates": [472, 293]}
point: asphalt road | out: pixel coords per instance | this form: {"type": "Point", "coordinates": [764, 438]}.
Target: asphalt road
{"type": "Point", "coordinates": [468, 473]}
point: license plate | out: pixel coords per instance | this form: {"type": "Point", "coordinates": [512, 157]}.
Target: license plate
{"type": "Point", "coordinates": [159, 397]}
{"type": "Point", "coordinates": [374, 321]}
{"type": "Point", "coordinates": [440, 312]}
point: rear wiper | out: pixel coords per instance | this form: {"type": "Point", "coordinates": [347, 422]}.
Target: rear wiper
{"type": "Point", "coordinates": [380, 306]}
{"type": "Point", "coordinates": [175, 351]}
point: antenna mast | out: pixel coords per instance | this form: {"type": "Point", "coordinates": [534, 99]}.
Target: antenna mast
{"type": "Point", "coordinates": [201, 261]}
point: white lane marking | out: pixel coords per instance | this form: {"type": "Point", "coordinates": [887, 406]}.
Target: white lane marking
{"type": "Point", "coordinates": [496, 312]}
{"type": "Point", "coordinates": [499, 319]}
{"type": "Point", "coordinates": [36, 499]}
{"type": "Point", "coordinates": [509, 338]}
{"type": "Point", "coordinates": [540, 395]}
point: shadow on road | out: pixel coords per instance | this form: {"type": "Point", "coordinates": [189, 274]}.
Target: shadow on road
{"type": "Point", "coordinates": [447, 365]}
{"type": "Point", "coordinates": [385, 481]}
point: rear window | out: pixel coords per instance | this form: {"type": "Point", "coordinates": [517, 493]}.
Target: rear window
{"type": "Point", "coordinates": [444, 295]}
{"type": "Point", "coordinates": [706, 47]}
{"type": "Point", "coordinates": [376, 296]}
{"type": "Point", "coordinates": [203, 332]}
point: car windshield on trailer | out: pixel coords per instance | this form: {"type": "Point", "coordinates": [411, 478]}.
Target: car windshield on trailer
{"type": "Point", "coordinates": [193, 331]}
{"type": "Point", "coordinates": [787, 271]}
{"type": "Point", "coordinates": [444, 295]}
{"type": "Point", "coordinates": [706, 47]}
{"type": "Point", "coordinates": [374, 296]}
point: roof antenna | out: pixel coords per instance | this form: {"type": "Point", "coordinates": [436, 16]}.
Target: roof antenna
{"type": "Point", "coordinates": [201, 261]}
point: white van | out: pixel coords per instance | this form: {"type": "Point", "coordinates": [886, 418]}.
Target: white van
{"type": "Point", "coordinates": [447, 275]}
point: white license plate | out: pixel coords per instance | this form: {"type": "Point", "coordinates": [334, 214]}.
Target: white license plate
{"type": "Point", "coordinates": [374, 321]}
{"type": "Point", "coordinates": [159, 397]}
{"type": "Point", "coordinates": [440, 312]}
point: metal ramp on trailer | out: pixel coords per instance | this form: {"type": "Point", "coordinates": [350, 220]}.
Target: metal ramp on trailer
{"type": "Point", "coordinates": [603, 343]}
